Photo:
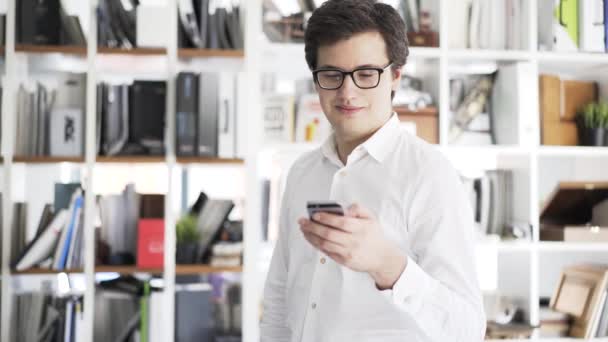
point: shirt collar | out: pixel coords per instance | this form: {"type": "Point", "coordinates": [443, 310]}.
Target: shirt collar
{"type": "Point", "coordinates": [377, 146]}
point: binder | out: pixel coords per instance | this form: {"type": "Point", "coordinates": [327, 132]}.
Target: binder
{"type": "Point", "coordinates": [227, 116]}
{"type": "Point", "coordinates": [565, 26]}
{"type": "Point", "coordinates": [147, 116]}
{"type": "Point", "coordinates": [186, 113]}
{"type": "Point", "coordinates": [208, 115]}
{"type": "Point", "coordinates": [592, 27]}
{"type": "Point", "coordinates": [38, 22]}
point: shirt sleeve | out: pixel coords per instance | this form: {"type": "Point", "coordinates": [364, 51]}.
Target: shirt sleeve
{"type": "Point", "coordinates": [439, 285]}
{"type": "Point", "coordinates": [273, 326]}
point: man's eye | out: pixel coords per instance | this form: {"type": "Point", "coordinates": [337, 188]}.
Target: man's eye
{"type": "Point", "coordinates": [366, 74]}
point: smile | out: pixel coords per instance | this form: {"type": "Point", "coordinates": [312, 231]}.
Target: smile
{"type": "Point", "coordinates": [349, 110]}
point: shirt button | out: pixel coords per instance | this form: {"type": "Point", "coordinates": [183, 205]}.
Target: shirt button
{"type": "Point", "coordinates": [314, 306]}
{"type": "Point", "coordinates": [322, 260]}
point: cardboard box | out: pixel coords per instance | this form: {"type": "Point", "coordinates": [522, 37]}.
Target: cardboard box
{"type": "Point", "coordinates": [568, 213]}
{"type": "Point", "coordinates": [560, 101]}
{"type": "Point", "coordinates": [426, 121]}
{"type": "Point", "coordinates": [578, 293]}
{"type": "Point", "coordinates": [559, 133]}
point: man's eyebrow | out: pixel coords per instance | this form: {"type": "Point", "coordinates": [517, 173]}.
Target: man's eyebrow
{"type": "Point", "coordinates": [328, 66]}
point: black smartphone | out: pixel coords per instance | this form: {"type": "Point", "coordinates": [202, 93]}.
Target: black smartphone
{"type": "Point", "coordinates": [331, 207]}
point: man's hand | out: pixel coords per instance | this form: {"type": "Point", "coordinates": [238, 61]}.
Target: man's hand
{"type": "Point", "coordinates": [356, 240]}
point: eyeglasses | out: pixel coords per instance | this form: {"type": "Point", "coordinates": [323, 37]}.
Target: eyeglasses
{"type": "Point", "coordinates": [364, 78]}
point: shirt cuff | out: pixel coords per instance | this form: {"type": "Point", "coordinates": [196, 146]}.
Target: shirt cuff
{"type": "Point", "coordinates": [413, 283]}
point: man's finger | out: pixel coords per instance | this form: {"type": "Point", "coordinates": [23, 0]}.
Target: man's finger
{"type": "Point", "coordinates": [332, 220]}
{"type": "Point", "coordinates": [327, 233]}
{"type": "Point", "coordinates": [324, 246]}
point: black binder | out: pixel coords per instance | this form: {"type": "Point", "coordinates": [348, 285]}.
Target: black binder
{"type": "Point", "coordinates": [147, 116]}
{"type": "Point", "coordinates": [38, 22]}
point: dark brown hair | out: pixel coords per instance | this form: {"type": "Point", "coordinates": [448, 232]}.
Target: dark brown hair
{"type": "Point", "coordinates": [337, 20]}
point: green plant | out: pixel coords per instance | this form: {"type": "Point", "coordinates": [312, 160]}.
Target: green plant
{"type": "Point", "coordinates": [186, 231]}
{"type": "Point", "coordinates": [595, 115]}
{"type": "Point", "coordinates": [603, 113]}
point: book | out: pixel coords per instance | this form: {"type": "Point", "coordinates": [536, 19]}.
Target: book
{"type": "Point", "coordinates": [210, 221]}
{"type": "Point", "coordinates": [311, 123]}
{"type": "Point", "coordinates": [67, 132]}
{"type": "Point", "coordinates": [189, 24]}
{"type": "Point", "coordinates": [41, 247]}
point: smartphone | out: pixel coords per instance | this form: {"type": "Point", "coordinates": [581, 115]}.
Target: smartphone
{"type": "Point", "coordinates": [331, 207]}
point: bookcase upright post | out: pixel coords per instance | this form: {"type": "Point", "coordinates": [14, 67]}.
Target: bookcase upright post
{"type": "Point", "coordinates": [170, 161]}
{"type": "Point", "coordinates": [8, 139]}
{"type": "Point", "coordinates": [90, 155]}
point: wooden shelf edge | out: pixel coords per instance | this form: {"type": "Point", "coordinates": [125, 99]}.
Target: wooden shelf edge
{"type": "Point", "coordinates": [179, 270]}
{"type": "Point", "coordinates": [194, 53]}
{"type": "Point", "coordinates": [130, 159]}
{"type": "Point", "coordinates": [46, 159]}
{"type": "Point", "coordinates": [134, 52]}
{"type": "Point", "coordinates": [65, 49]}
{"type": "Point", "coordinates": [209, 160]}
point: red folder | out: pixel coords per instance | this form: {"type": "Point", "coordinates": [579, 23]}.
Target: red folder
{"type": "Point", "coordinates": [150, 243]}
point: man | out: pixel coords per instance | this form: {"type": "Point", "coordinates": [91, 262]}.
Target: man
{"type": "Point", "coordinates": [398, 266]}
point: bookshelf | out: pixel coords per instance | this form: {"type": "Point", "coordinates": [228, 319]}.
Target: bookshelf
{"type": "Point", "coordinates": [98, 63]}
{"type": "Point", "coordinates": [537, 167]}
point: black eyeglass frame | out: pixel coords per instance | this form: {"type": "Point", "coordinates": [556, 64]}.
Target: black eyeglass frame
{"type": "Point", "coordinates": [351, 74]}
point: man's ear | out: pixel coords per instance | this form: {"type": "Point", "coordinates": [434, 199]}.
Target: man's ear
{"type": "Point", "coordinates": [396, 79]}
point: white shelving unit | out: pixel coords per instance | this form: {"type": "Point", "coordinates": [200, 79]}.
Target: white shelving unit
{"type": "Point", "coordinates": [532, 162]}
{"type": "Point", "coordinates": [19, 61]}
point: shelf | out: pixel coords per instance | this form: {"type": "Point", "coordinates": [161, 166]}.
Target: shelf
{"type": "Point", "coordinates": [207, 53]}
{"type": "Point", "coordinates": [572, 151]}
{"type": "Point", "coordinates": [572, 57]}
{"type": "Point", "coordinates": [126, 160]}
{"type": "Point", "coordinates": [557, 246]}
{"type": "Point", "coordinates": [424, 52]}
{"type": "Point", "coordinates": [179, 270]}
{"type": "Point", "coordinates": [63, 49]}
{"type": "Point", "coordinates": [47, 159]}
{"type": "Point", "coordinates": [132, 52]}
{"type": "Point", "coordinates": [130, 159]}
{"type": "Point", "coordinates": [489, 55]}
{"type": "Point", "coordinates": [205, 160]}
{"type": "Point", "coordinates": [509, 246]}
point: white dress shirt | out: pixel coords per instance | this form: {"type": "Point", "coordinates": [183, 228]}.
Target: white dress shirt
{"type": "Point", "coordinates": [421, 205]}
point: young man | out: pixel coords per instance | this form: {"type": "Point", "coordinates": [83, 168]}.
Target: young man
{"type": "Point", "coordinates": [398, 266]}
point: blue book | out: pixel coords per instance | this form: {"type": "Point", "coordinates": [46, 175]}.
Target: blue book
{"type": "Point", "coordinates": [66, 246]}
{"type": "Point", "coordinates": [606, 24]}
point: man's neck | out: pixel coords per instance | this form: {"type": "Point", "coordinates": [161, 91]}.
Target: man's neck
{"type": "Point", "coordinates": [345, 145]}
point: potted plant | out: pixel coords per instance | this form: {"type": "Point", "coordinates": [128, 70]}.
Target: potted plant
{"type": "Point", "coordinates": [603, 113]}
{"type": "Point", "coordinates": [593, 123]}
{"type": "Point", "coordinates": [187, 237]}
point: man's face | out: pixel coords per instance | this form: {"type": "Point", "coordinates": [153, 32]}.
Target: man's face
{"type": "Point", "coordinates": [356, 113]}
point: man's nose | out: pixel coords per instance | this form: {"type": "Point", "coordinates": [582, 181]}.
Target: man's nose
{"type": "Point", "coordinates": [348, 88]}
